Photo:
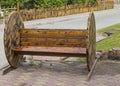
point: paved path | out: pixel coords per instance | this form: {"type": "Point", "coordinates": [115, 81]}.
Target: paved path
{"type": "Point", "coordinates": [103, 19]}
{"type": "Point", "coordinates": [3, 60]}
{"type": "Point", "coordinates": [107, 73]}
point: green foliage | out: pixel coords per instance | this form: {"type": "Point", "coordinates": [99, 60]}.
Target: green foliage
{"type": "Point", "coordinates": [82, 1]}
{"type": "Point", "coordinates": [49, 3]}
{"type": "Point", "coordinates": [42, 3]}
{"type": "Point", "coordinates": [91, 1]}
{"type": "Point", "coordinates": [12, 3]}
{"type": "Point", "coordinates": [56, 3]}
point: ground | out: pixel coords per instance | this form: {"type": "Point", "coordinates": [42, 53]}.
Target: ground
{"type": "Point", "coordinates": [107, 73]}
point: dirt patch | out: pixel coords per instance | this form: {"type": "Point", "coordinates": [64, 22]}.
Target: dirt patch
{"type": "Point", "coordinates": [108, 67]}
{"type": "Point", "coordinates": [107, 73]}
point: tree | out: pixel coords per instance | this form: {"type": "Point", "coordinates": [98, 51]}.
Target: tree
{"type": "Point", "coordinates": [12, 3]}
{"type": "Point", "coordinates": [69, 2]}
{"type": "Point", "coordinates": [91, 1]}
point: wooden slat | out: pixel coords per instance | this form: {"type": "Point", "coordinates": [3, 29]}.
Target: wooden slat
{"type": "Point", "coordinates": [54, 37]}
{"type": "Point", "coordinates": [54, 45]}
{"type": "Point", "coordinates": [51, 33]}
{"type": "Point", "coordinates": [31, 50]}
{"type": "Point", "coordinates": [38, 35]}
{"type": "Point", "coordinates": [62, 31]}
{"type": "Point", "coordinates": [53, 42]}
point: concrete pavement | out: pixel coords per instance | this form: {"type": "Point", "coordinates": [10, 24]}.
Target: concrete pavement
{"type": "Point", "coordinates": [103, 18]}
{"type": "Point", "coordinates": [107, 73]}
{"type": "Point", "coordinates": [3, 60]}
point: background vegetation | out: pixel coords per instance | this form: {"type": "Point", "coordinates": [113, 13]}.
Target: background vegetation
{"type": "Point", "coordinates": [42, 3]}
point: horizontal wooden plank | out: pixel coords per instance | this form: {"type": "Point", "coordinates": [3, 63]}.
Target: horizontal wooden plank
{"type": "Point", "coordinates": [70, 31]}
{"type": "Point", "coordinates": [53, 33]}
{"type": "Point", "coordinates": [56, 51]}
{"type": "Point", "coordinates": [36, 35]}
{"type": "Point", "coordinates": [54, 37]}
{"type": "Point", "coordinates": [53, 40]}
{"type": "Point", "coordinates": [82, 45]}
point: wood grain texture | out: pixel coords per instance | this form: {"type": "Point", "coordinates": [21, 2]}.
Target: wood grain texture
{"type": "Point", "coordinates": [81, 32]}
{"type": "Point", "coordinates": [91, 49]}
{"type": "Point", "coordinates": [48, 51]}
{"type": "Point", "coordinates": [13, 24]}
{"type": "Point", "coordinates": [54, 37]}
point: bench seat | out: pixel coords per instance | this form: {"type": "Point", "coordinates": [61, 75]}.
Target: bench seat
{"type": "Point", "coordinates": [50, 51]}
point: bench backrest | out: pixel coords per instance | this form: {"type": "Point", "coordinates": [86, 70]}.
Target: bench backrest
{"type": "Point", "coordinates": [54, 37]}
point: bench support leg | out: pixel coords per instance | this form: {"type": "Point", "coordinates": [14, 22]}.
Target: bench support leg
{"type": "Point", "coordinates": [92, 68]}
{"type": "Point", "coordinates": [88, 67]}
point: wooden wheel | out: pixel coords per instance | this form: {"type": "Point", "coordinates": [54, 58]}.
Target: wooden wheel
{"type": "Point", "coordinates": [13, 24]}
{"type": "Point", "coordinates": [91, 50]}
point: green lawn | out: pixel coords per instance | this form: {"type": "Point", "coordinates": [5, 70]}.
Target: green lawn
{"type": "Point", "coordinates": [113, 27]}
{"type": "Point", "coordinates": [112, 41]}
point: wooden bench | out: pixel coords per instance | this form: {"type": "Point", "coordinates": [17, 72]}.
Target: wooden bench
{"type": "Point", "coordinates": [19, 41]}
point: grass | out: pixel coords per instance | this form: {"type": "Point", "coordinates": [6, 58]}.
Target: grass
{"type": "Point", "coordinates": [113, 27]}
{"type": "Point", "coordinates": [112, 41]}
{"type": "Point", "coordinates": [81, 59]}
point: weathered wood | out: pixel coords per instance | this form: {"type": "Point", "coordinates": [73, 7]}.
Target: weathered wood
{"type": "Point", "coordinates": [54, 37]}
{"type": "Point", "coordinates": [12, 38]}
{"type": "Point", "coordinates": [51, 42]}
{"type": "Point", "coordinates": [73, 40]}
{"type": "Point", "coordinates": [48, 42]}
{"type": "Point", "coordinates": [54, 51]}
{"type": "Point", "coordinates": [91, 48]}
{"type": "Point", "coordinates": [61, 32]}
{"type": "Point", "coordinates": [53, 45]}
{"type": "Point", "coordinates": [92, 68]}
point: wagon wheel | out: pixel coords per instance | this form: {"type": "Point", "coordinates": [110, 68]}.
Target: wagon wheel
{"type": "Point", "coordinates": [13, 24]}
{"type": "Point", "coordinates": [91, 50]}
